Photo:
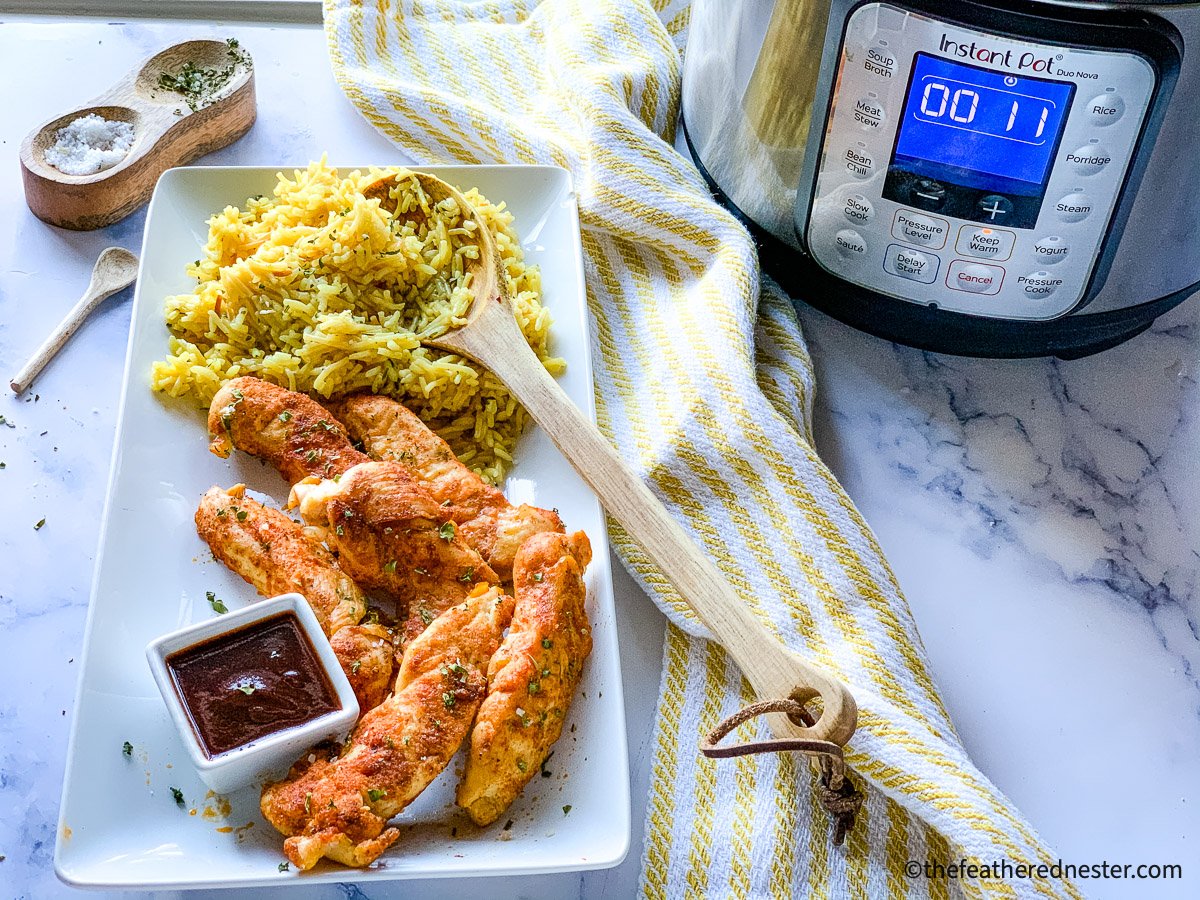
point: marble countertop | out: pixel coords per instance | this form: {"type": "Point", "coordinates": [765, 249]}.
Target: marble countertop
{"type": "Point", "coordinates": [1042, 516]}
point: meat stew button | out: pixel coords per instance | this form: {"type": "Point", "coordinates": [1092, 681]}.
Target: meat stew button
{"type": "Point", "coordinates": [1037, 285]}
{"type": "Point", "coordinates": [914, 265]}
{"type": "Point", "coordinates": [975, 278]}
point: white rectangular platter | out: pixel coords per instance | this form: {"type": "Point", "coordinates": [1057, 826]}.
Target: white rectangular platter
{"type": "Point", "coordinates": [120, 826]}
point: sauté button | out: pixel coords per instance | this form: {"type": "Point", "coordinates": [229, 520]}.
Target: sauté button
{"type": "Point", "coordinates": [1037, 285]}
{"type": "Point", "coordinates": [914, 265]}
{"type": "Point", "coordinates": [976, 278]}
{"type": "Point", "coordinates": [859, 162]}
{"type": "Point", "coordinates": [985, 243]}
{"type": "Point", "coordinates": [850, 243]}
{"type": "Point", "coordinates": [928, 231]}
{"type": "Point", "coordinates": [1089, 159]}
{"type": "Point", "coordinates": [1105, 109]}
{"type": "Point", "coordinates": [1050, 249]}
{"type": "Point", "coordinates": [868, 113]}
{"type": "Point", "coordinates": [858, 209]}
{"type": "Point", "coordinates": [1074, 207]}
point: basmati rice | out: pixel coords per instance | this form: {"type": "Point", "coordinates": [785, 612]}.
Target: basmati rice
{"type": "Point", "coordinates": [320, 290]}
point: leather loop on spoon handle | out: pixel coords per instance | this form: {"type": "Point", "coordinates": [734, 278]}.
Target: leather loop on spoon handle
{"type": "Point", "coordinates": [773, 670]}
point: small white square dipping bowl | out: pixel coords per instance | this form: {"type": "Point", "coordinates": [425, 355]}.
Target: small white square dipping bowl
{"type": "Point", "coordinates": [258, 759]}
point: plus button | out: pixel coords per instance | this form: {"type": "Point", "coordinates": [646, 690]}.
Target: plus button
{"type": "Point", "coordinates": [994, 207]}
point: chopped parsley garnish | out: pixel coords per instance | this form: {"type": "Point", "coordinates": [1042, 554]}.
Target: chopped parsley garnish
{"type": "Point", "coordinates": [390, 567]}
{"type": "Point", "coordinates": [200, 84]}
{"type": "Point", "coordinates": [308, 803]}
{"type": "Point", "coordinates": [178, 795]}
{"type": "Point", "coordinates": [521, 764]}
{"type": "Point", "coordinates": [547, 643]}
{"type": "Point", "coordinates": [217, 605]}
{"type": "Point", "coordinates": [40, 523]}
{"type": "Point", "coordinates": [127, 749]}
{"type": "Point", "coordinates": [534, 687]}
{"type": "Point", "coordinates": [311, 456]}
{"type": "Point", "coordinates": [468, 576]}
{"type": "Point", "coordinates": [3, 465]}
{"type": "Point", "coordinates": [446, 532]}
{"type": "Point", "coordinates": [285, 416]}
{"type": "Point", "coordinates": [283, 867]}
{"type": "Point", "coordinates": [347, 514]}
{"type": "Point", "coordinates": [355, 666]}
{"type": "Point", "coordinates": [566, 809]}
{"type": "Point", "coordinates": [448, 699]}
{"type": "Point", "coordinates": [537, 576]}
{"type": "Point", "coordinates": [241, 515]}
{"type": "Point", "coordinates": [425, 614]}
{"type": "Point", "coordinates": [341, 532]}
{"type": "Point", "coordinates": [4, 421]}
{"type": "Point", "coordinates": [375, 795]}
{"type": "Point", "coordinates": [221, 512]}
{"type": "Point", "coordinates": [246, 689]}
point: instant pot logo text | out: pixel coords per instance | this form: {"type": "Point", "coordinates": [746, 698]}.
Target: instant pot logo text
{"type": "Point", "coordinates": [999, 59]}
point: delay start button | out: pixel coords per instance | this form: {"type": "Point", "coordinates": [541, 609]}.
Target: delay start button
{"type": "Point", "coordinates": [1037, 285]}
{"type": "Point", "coordinates": [905, 262]}
{"type": "Point", "coordinates": [975, 278]}
{"type": "Point", "coordinates": [917, 228]}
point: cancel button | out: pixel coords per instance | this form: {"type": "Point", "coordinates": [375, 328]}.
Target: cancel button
{"type": "Point", "coordinates": [920, 229]}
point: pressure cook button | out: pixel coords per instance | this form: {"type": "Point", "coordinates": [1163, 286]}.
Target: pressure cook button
{"type": "Point", "coordinates": [1050, 250]}
{"type": "Point", "coordinates": [927, 194]}
{"type": "Point", "coordinates": [859, 162]}
{"type": "Point", "coordinates": [850, 244]}
{"type": "Point", "coordinates": [911, 264]}
{"type": "Point", "coordinates": [975, 278]}
{"type": "Point", "coordinates": [985, 243]}
{"type": "Point", "coordinates": [1105, 109]}
{"type": "Point", "coordinates": [1089, 159]}
{"type": "Point", "coordinates": [858, 209]}
{"type": "Point", "coordinates": [868, 112]}
{"type": "Point", "coordinates": [1074, 207]}
{"type": "Point", "coordinates": [927, 231]}
{"type": "Point", "coordinates": [994, 208]}
{"type": "Point", "coordinates": [1037, 285]}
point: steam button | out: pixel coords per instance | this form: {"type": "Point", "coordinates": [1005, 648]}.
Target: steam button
{"type": "Point", "coordinates": [1105, 109]}
{"type": "Point", "coordinates": [1074, 207]}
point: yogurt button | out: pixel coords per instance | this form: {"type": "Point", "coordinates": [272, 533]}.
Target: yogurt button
{"type": "Point", "coordinates": [850, 244]}
{"type": "Point", "coordinates": [1074, 207]}
{"type": "Point", "coordinates": [1037, 285]}
{"type": "Point", "coordinates": [1089, 159]}
{"type": "Point", "coordinates": [1050, 250]}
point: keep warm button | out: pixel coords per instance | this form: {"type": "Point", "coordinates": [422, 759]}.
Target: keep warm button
{"type": "Point", "coordinates": [916, 228]}
{"type": "Point", "coordinates": [975, 278]}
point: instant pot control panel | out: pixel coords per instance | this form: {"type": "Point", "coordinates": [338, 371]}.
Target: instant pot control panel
{"type": "Point", "coordinates": [972, 170]}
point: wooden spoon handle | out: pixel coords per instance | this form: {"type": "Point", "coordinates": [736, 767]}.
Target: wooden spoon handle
{"type": "Point", "coordinates": [495, 340]}
{"type": "Point", "coordinates": [87, 304]}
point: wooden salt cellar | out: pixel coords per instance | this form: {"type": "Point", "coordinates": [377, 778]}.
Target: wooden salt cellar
{"type": "Point", "coordinates": [166, 133]}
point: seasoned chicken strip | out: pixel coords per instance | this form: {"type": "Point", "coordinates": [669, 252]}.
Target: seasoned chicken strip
{"type": "Point", "coordinates": [367, 656]}
{"type": "Point", "coordinates": [273, 554]}
{"type": "Point", "coordinates": [290, 430]}
{"type": "Point", "coordinates": [390, 535]}
{"type": "Point", "coordinates": [339, 806]}
{"type": "Point", "coordinates": [533, 676]}
{"type": "Point", "coordinates": [486, 520]}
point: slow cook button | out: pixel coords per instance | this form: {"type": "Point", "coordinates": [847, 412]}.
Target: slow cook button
{"type": "Point", "coordinates": [1089, 159]}
{"type": "Point", "coordinates": [858, 209]}
{"type": "Point", "coordinates": [916, 228]}
{"type": "Point", "coordinates": [975, 278]}
{"type": "Point", "coordinates": [1037, 285]}
{"type": "Point", "coordinates": [1074, 207]}
{"type": "Point", "coordinates": [985, 243]}
{"type": "Point", "coordinates": [1050, 249]}
{"type": "Point", "coordinates": [859, 162]}
{"type": "Point", "coordinates": [850, 244]}
{"type": "Point", "coordinates": [914, 265]}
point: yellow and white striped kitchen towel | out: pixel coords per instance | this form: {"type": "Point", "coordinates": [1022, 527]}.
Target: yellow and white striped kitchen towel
{"type": "Point", "coordinates": [704, 384]}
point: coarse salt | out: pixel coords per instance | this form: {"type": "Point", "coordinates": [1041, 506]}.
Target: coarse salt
{"type": "Point", "coordinates": [89, 145]}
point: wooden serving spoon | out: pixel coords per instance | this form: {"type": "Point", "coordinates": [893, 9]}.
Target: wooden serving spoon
{"type": "Point", "coordinates": [492, 338]}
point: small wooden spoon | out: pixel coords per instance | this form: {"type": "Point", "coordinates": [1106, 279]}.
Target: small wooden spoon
{"type": "Point", "coordinates": [492, 338]}
{"type": "Point", "coordinates": [115, 270]}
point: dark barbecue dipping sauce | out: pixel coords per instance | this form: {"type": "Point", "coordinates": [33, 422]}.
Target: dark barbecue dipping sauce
{"type": "Point", "coordinates": [253, 682]}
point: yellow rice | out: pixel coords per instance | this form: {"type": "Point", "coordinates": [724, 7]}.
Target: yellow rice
{"type": "Point", "coordinates": [320, 290]}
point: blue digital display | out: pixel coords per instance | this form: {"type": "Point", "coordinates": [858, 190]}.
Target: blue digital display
{"type": "Point", "coordinates": [979, 128]}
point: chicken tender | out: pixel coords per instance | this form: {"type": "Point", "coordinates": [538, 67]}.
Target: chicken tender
{"type": "Point", "coordinates": [533, 676]}
{"type": "Point", "coordinates": [367, 656]}
{"type": "Point", "coordinates": [338, 806]}
{"type": "Point", "coordinates": [391, 536]}
{"type": "Point", "coordinates": [290, 430]}
{"type": "Point", "coordinates": [491, 525]}
{"type": "Point", "coordinates": [273, 554]}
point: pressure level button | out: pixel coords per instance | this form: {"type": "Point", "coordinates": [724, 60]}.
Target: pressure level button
{"type": "Point", "coordinates": [916, 228]}
{"type": "Point", "coordinates": [1074, 207]}
{"type": "Point", "coordinates": [1105, 109]}
{"type": "Point", "coordinates": [1050, 250]}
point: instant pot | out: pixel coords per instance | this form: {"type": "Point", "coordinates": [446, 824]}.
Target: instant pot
{"type": "Point", "coordinates": [985, 179]}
